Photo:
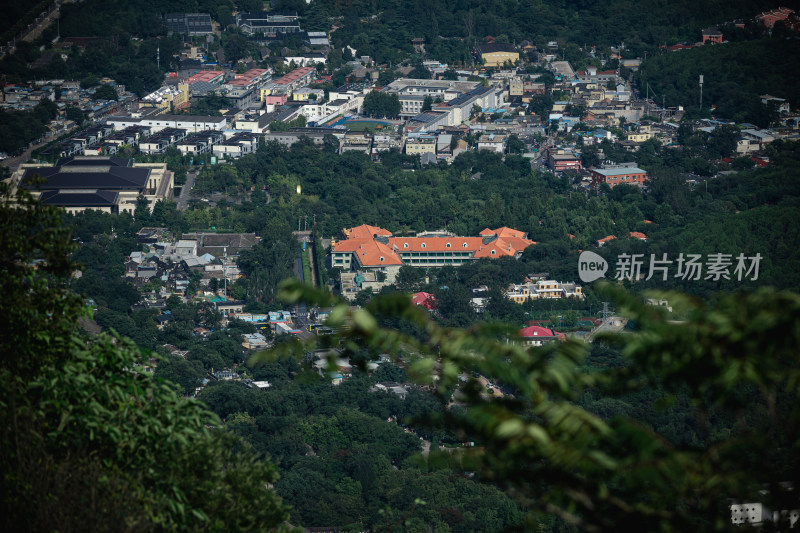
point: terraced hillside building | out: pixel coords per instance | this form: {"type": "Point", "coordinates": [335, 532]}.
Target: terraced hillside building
{"type": "Point", "coordinates": [368, 247]}
{"type": "Point", "coordinates": [108, 184]}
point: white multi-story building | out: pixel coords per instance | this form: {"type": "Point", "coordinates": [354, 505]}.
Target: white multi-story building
{"type": "Point", "coordinates": [190, 123]}
{"type": "Point", "coordinates": [543, 289]}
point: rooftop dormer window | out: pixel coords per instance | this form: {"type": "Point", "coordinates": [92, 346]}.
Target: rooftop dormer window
{"type": "Point", "coordinates": [422, 245]}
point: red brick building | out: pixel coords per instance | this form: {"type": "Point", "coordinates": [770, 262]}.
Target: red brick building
{"type": "Point", "coordinates": [618, 176]}
{"type": "Point", "coordinates": [712, 35]}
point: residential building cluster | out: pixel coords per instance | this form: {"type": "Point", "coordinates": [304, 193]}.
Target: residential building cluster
{"type": "Point", "coordinates": [172, 261]}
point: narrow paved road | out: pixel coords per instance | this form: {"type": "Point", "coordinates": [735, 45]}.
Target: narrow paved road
{"type": "Point", "coordinates": [34, 29]}
{"type": "Point", "coordinates": [183, 199]}
{"type": "Point", "coordinates": [613, 324]}
{"type": "Point", "coordinates": [14, 162]}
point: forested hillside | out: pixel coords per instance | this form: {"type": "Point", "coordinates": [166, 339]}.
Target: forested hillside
{"type": "Point", "coordinates": [735, 74]}
{"type": "Point", "coordinates": [383, 29]}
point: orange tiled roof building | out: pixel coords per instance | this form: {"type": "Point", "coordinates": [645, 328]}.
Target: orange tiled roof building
{"type": "Point", "coordinates": [373, 247]}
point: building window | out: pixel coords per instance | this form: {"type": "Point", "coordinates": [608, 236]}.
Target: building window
{"type": "Point", "coordinates": [447, 245]}
{"type": "Point", "coordinates": [493, 252]}
{"type": "Point", "coordinates": [381, 259]}
{"type": "Point", "coordinates": [464, 245]}
{"type": "Point", "coordinates": [423, 245]}
{"type": "Point", "coordinates": [405, 245]}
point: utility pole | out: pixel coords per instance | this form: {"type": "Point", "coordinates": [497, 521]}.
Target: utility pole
{"type": "Point", "coordinates": [701, 93]}
{"type": "Point", "coordinates": [158, 57]}
{"type": "Point", "coordinates": [606, 312]}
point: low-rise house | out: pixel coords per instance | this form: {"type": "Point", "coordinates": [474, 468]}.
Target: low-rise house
{"type": "Point", "coordinates": [200, 143]}
{"type": "Point", "coordinates": [781, 104]}
{"type": "Point", "coordinates": [605, 240]}
{"type": "Point", "coordinates": [356, 142]}
{"type": "Point", "coordinates": [304, 94]}
{"type": "Point", "coordinates": [754, 140]}
{"type": "Point", "coordinates": [158, 142]}
{"type": "Point", "coordinates": [222, 244]}
{"type": "Point", "coordinates": [254, 123]}
{"type": "Point", "coordinates": [316, 135]}
{"type": "Point", "coordinates": [493, 143]}
{"type": "Point", "coordinates": [306, 60]}
{"type": "Point", "coordinates": [226, 375]}
{"type": "Point", "coordinates": [191, 24]}
{"type": "Point", "coordinates": [260, 385]}
{"type": "Point", "coordinates": [421, 144]}
{"type": "Point", "coordinates": [229, 307]}
{"type": "Point", "coordinates": [425, 300]}
{"type": "Point", "coordinates": [539, 336]}
{"type": "Point", "coordinates": [711, 35]}
{"type": "Point", "coordinates": [560, 160]}
{"type": "Point", "coordinates": [239, 144]}
{"type": "Point", "coordinates": [353, 282]}
{"type": "Point", "coordinates": [391, 386]}
{"type": "Point", "coordinates": [266, 25]}
{"type": "Point", "coordinates": [254, 341]}
{"type": "Point", "coordinates": [383, 142]}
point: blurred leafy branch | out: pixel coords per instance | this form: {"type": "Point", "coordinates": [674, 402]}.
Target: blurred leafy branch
{"type": "Point", "coordinates": [86, 441]}
{"type": "Point", "coordinates": [727, 357]}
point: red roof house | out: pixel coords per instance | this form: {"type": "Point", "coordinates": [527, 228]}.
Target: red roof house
{"type": "Point", "coordinates": [424, 299]}
{"type": "Point", "coordinates": [538, 335]}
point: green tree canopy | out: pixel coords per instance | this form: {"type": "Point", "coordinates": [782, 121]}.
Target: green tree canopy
{"type": "Point", "coordinates": [86, 441]}
{"type": "Point", "coordinates": [608, 473]}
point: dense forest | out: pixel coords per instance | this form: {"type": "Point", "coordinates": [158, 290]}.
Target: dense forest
{"type": "Point", "coordinates": [735, 74]}
{"type": "Point", "coordinates": [18, 128]}
{"type": "Point", "coordinates": [384, 29]}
